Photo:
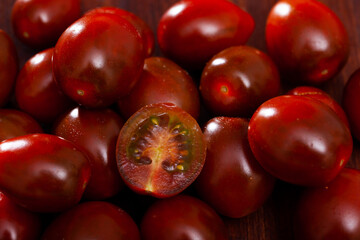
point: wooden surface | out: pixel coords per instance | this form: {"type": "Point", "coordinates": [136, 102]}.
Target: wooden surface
{"type": "Point", "coordinates": [272, 221]}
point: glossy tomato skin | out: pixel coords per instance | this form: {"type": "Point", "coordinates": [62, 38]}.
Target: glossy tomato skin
{"type": "Point", "coordinates": [332, 211]}
{"type": "Point", "coordinates": [96, 132]}
{"type": "Point", "coordinates": [232, 181]}
{"type": "Point", "coordinates": [42, 172]}
{"type": "Point", "coordinates": [162, 81]}
{"type": "Point", "coordinates": [93, 220]}
{"type": "Point", "coordinates": [160, 150]}
{"type": "Point", "coordinates": [323, 97]}
{"type": "Point", "coordinates": [39, 23]}
{"type": "Point", "coordinates": [306, 40]}
{"type": "Point", "coordinates": [17, 223]}
{"type": "Point", "coordinates": [8, 66]}
{"type": "Point", "coordinates": [143, 28]}
{"type": "Point", "coordinates": [191, 32]}
{"type": "Point", "coordinates": [237, 80]}
{"type": "Point", "coordinates": [351, 100]}
{"type": "Point", "coordinates": [96, 70]}
{"type": "Point", "coordinates": [182, 217]}
{"type": "Point", "coordinates": [299, 140]}
{"type": "Point", "coordinates": [36, 91]}
{"type": "Point", "coordinates": [14, 123]}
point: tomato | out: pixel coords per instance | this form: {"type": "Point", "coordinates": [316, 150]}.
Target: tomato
{"type": "Point", "coordinates": [16, 222]}
{"type": "Point", "coordinates": [39, 23]}
{"type": "Point", "coordinates": [143, 28]}
{"type": "Point", "coordinates": [42, 172]}
{"type": "Point", "coordinates": [182, 217]}
{"type": "Point", "coordinates": [162, 81]}
{"type": "Point", "coordinates": [36, 91]}
{"type": "Point", "coordinates": [160, 150]}
{"type": "Point", "coordinates": [322, 96]}
{"type": "Point", "coordinates": [306, 40]}
{"type": "Point", "coordinates": [332, 211]}
{"type": "Point", "coordinates": [8, 66]}
{"type": "Point", "coordinates": [191, 32]}
{"type": "Point", "coordinates": [232, 181]}
{"type": "Point", "coordinates": [351, 100]}
{"type": "Point", "coordinates": [237, 80]}
{"type": "Point", "coordinates": [96, 70]}
{"type": "Point", "coordinates": [14, 123]}
{"type": "Point", "coordinates": [93, 220]}
{"type": "Point", "coordinates": [299, 140]}
{"type": "Point", "coordinates": [96, 132]}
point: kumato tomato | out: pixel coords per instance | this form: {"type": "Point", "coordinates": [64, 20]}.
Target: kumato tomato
{"type": "Point", "coordinates": [332, 211]}
{"type": "Point", "coordinates": [306, 40]}
{"type": "Point", "coordinates": [162, 81]}
{"type": "Point", "coordinates": [98, 59]}
{"type": "Point", "coordinates": [299, 140]}
{"type": "Point", "coordinates": [43, 172]}
{"type": "Point", "coordinates": [143, 28]}
{"type": "Point", "coordinates": [93, 220]}
{"type": "Point", "coordinates": [182, 217]}
{"type": "Point", "coordinates": [191, 32]}
{"type": "Point", "coordinates": [322, 96]}
{"type": "Point", "coordinates": [160, 150]}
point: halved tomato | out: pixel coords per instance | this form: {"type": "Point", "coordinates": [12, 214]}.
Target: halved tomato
{"type": "Point", "coordinates": [160, 150]}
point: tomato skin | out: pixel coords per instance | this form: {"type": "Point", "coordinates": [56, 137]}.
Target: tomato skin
{"type": "Point", "coordinates": [299, 140]}
{"type": "Point", "coordinates": [232, 181]}
{"type": "Point", "coordinates": [96, 132]}
{"type": "Point", "coordinates": [191, 32]}
{"type": "Point", "coordinates": [39, 23]}
{"type": "Point", "coordinates": [162, 81]}
{"type": "Point", "coordinates": [16, 222]}
{"type": "Point", "coordinates": [182, 217]}
{"type": "Point", "coordinates": [42, 172]}
{"type": "Point", "coordinates": [350, 102]}
{"type": "Point", "coordinates": [96, 70]}
{"type": "Point", "coordinates": [93, 220]}
{"type": "Point", "coordinates": [36, 91]}
{"type": "Point", "coordinates": [237, 80]}
{"type": "Point", "coordinates": [143, 28]}
{"type": "Point", "coordinates": [14, 123]}
{"type": "Point", "coordinates": [8, 66]}
{"type": "Point", "coordinates": [323, 97]}
{"type": "Point", "coordinates": [306, 40]}
{"type": "Point", "coordinates": [330, 212]}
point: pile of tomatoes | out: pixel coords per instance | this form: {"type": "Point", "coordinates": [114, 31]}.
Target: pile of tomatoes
{"type": "Point", "coordinates": [102, 140]}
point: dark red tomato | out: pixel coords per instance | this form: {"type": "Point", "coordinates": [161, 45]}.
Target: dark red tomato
{"type": "Point", "coordinates": [39, 23]}
{"type": "Point", "coordinates": [16, 223]}
{"type": "Point", "coordinates": [96, 70]}
{"type": "Point", "coordinates": [351, 102]}
{"type": "Point", "coordinates": [306, 40]}
{"type": "Point", "coordinates": [143, 28]}
{"type": "Point", "coordinates": [160, 150]}
{"type": "Point", "coordinates": [232, 181]}
{"type": "Point", "coordinates": [162, 81]}
{"type": "Point", "coordinates": [36, 91]}
{"type": "Point", "coordinates": [42, 172]}
{"type": "Point", "coordinates": [237, 80]}
{"type": "Point", "coordinates": [182, 217]}
{"type": "Point", "coordinates": [96, 132]}
{"type": "Point", "coordinates": [299, 140]}
{"type": "Point", "coordinates": [323, 97]}
{"type": "Point", "coordinates": [332, 211]}
{"type": "Point", "coordinates": [14, 123]}
{"type": "Point", "coordinates": [8, 67]}
{"type": "Point", "coordinates": [93, 220]}
{"type": "Point", "coordinates": [191, 32]}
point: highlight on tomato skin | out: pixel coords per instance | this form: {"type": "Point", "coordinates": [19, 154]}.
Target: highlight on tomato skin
{"type": "Point", "coordinates": [160, 150]}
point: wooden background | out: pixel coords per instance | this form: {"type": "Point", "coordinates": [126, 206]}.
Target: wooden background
{"type": "Point", "coordinates": [272, 221]}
